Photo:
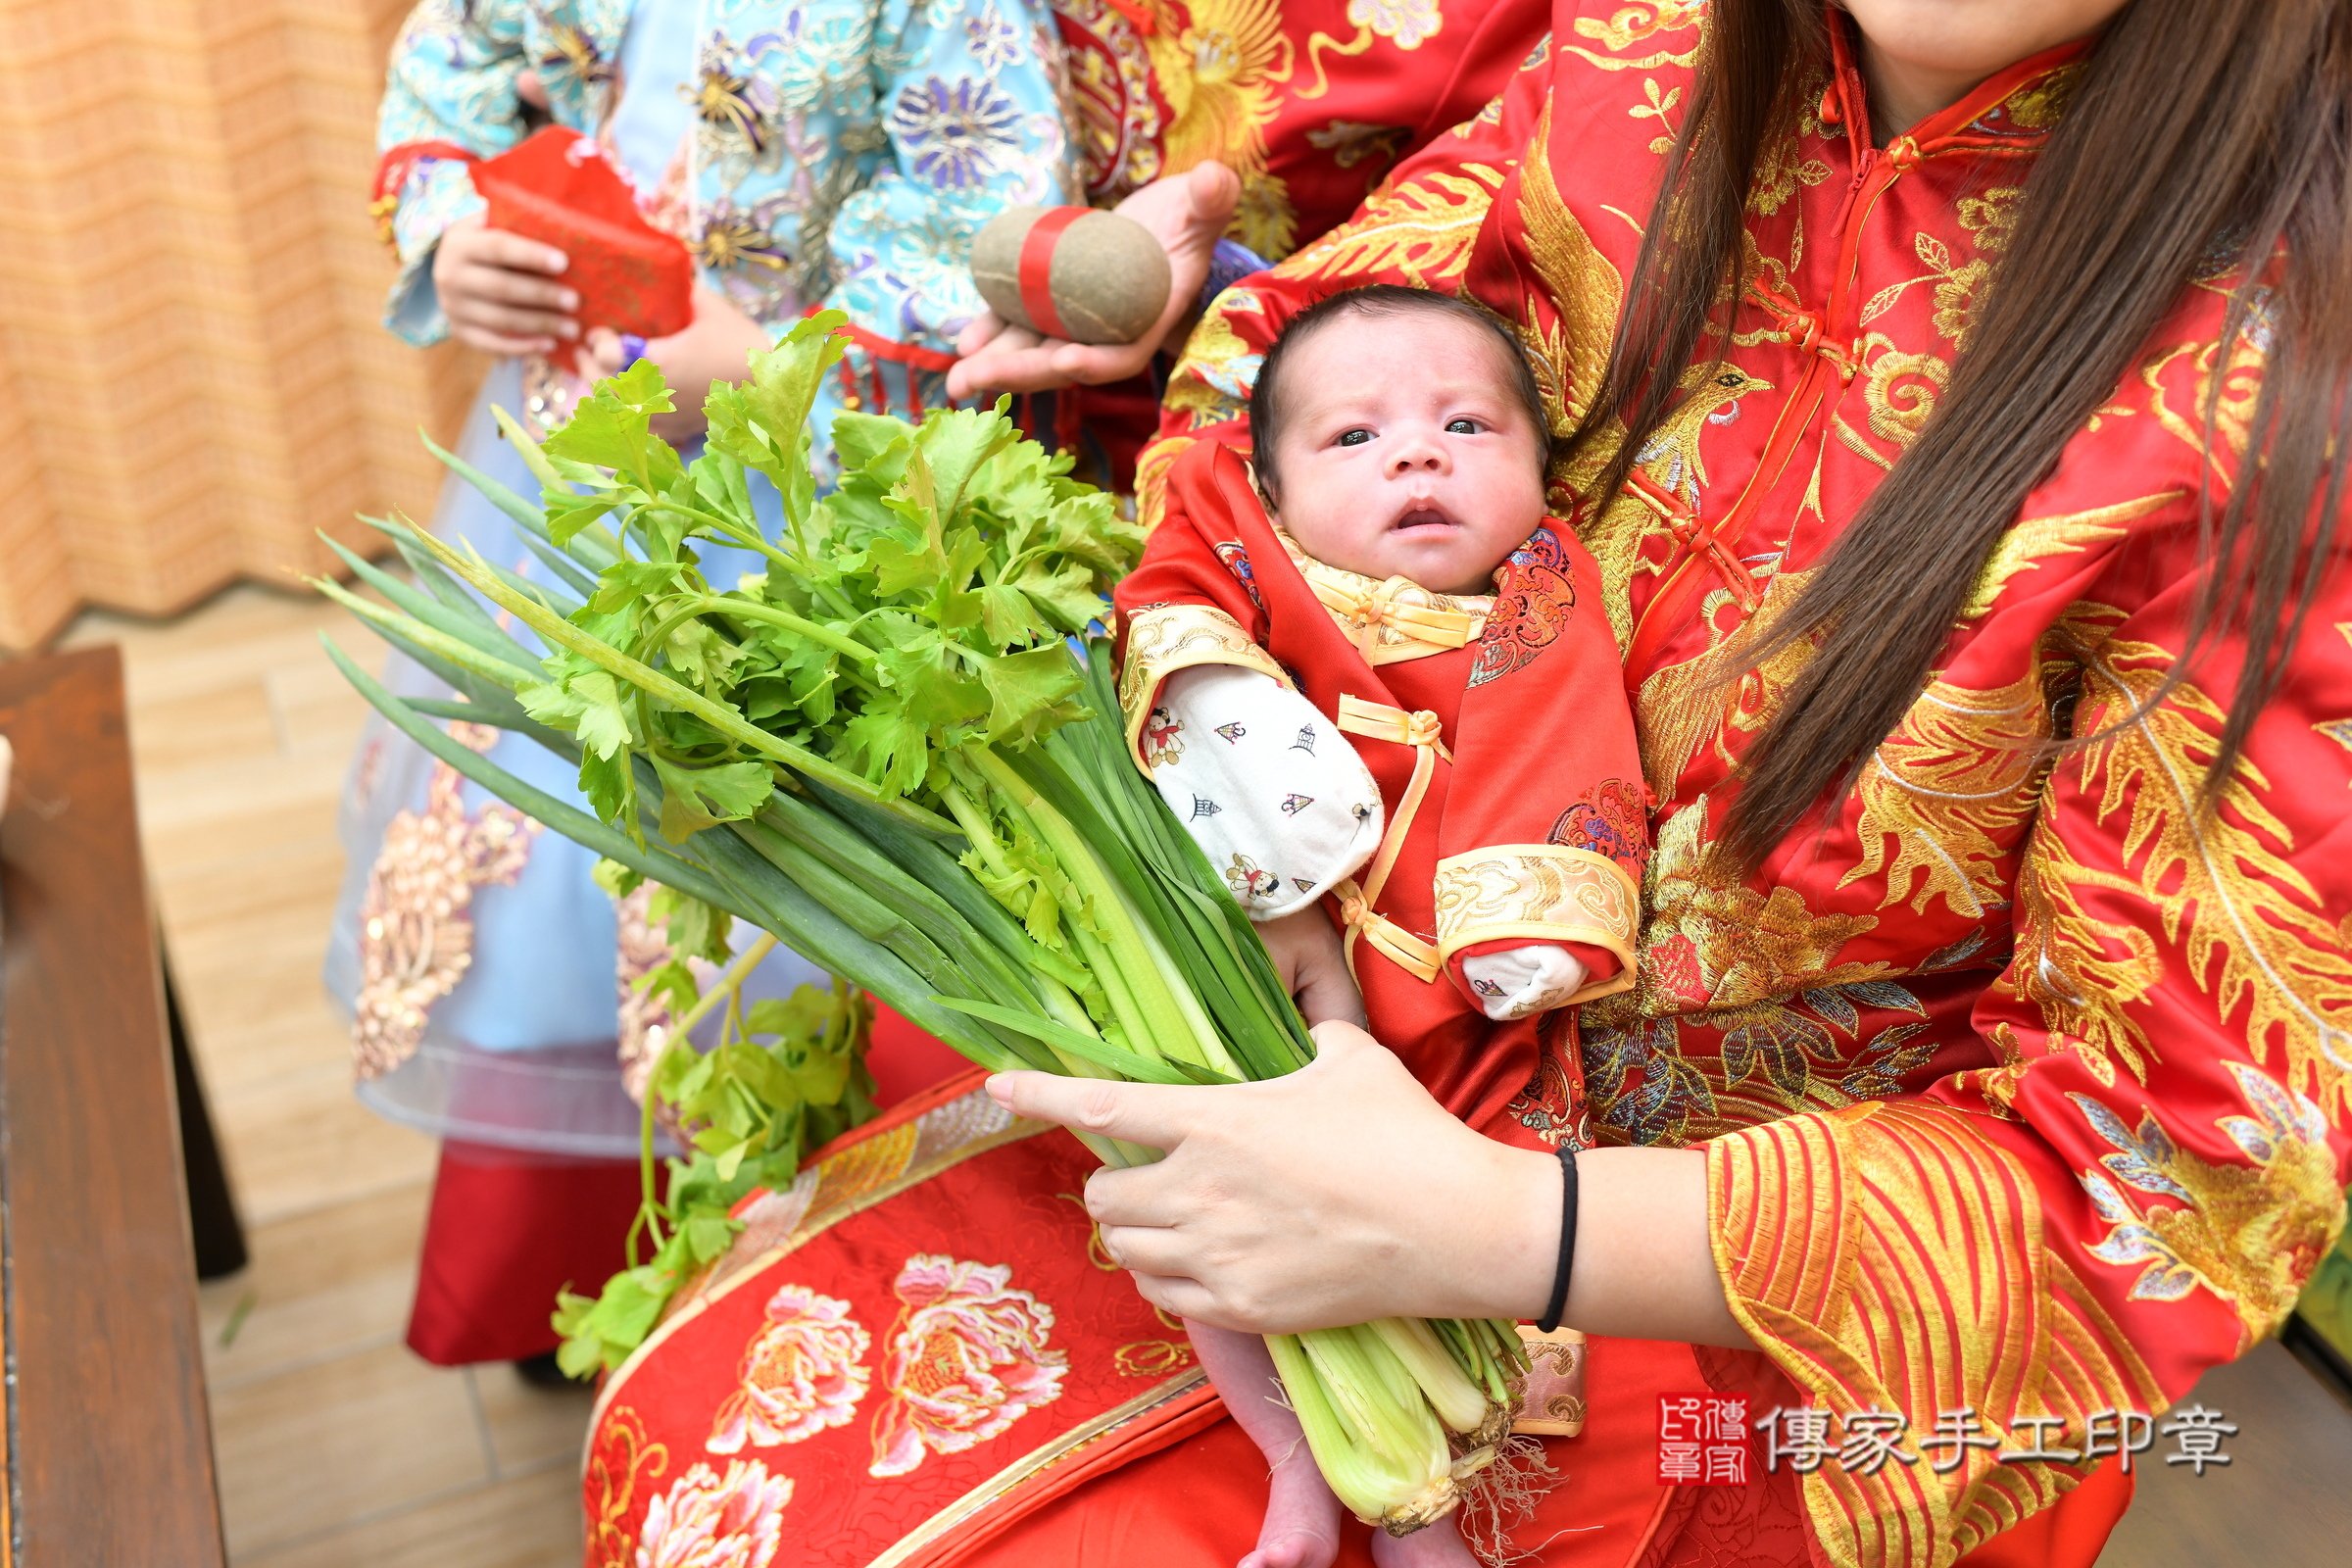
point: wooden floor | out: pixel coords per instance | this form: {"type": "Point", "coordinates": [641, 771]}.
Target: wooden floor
{"type": "Point", "coordinates": [337, 1446]}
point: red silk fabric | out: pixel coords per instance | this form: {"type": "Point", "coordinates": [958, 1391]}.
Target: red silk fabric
{"type": "Point", "coordinates": [914, 1348]}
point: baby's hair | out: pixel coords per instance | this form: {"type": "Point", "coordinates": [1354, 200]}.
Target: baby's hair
{"type": "Point", "coordinates": [1267, 406]}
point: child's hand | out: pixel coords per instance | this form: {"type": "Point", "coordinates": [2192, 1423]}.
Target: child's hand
{"type": "Point", "coordinates": [495, 288]}
{"type": "Point", "coordinates": [715, 347]}
{"type": "Point", "coordinates": [1307, 953]}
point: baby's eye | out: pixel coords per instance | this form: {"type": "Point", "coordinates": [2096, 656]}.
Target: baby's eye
{"type": "Point", "coordinates": [1461, 427]}
{"type": "Point", "coordinates": [1354, 438]}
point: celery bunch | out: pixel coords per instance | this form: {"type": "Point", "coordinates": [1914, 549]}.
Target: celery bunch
{"type": "Point", "coordinates": [898, 751]}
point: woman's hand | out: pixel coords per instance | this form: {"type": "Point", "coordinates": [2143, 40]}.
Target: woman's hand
{"type": "Point", "coordinates": [717, 347]}
{"type": "Point", "coordinates": [1305, 949]}
{"type": "Point", "coordinates": [1337, 1195]}
{"type": "Point", "coordinates": [1188, 212]}
{"type": "Point", "coordinates": [1344, 1193]}
{"type": "Point", "coordinates": [495, 290]}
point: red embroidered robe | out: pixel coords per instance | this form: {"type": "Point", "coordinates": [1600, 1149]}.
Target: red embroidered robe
{"type": "Point", "coordinates": [1491, 843]}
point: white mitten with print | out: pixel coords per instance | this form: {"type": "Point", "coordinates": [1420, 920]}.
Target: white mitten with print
{"type": "Point", "coordinates": [1267, 786]}
{"type": "Point", "coordinates": [1519, 982]}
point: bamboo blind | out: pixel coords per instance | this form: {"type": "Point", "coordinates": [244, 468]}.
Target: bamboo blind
{"type": "Point", "coordinates": [192, 376]}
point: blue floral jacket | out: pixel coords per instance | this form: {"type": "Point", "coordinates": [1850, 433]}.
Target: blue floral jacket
{"type": "Point", "coordinates": [844, 151]}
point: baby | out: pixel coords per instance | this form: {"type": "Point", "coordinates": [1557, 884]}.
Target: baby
{"type": "Point", "coordinates": [1478, 870]}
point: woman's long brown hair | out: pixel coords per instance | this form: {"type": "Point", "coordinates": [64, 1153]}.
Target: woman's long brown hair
{"type": "Point", "coordinates": [2203, 135]}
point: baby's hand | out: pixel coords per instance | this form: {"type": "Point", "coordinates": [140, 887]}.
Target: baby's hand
{"type": "Point", "coordinates": [1520, 982]}
{"type": "Point", "coordinates": [1307, 953]}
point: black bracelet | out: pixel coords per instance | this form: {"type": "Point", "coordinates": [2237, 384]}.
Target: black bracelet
{"type": "Point", "coordinates": [1559, 1278]}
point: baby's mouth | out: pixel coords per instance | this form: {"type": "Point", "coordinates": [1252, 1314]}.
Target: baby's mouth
{"type": "Point", "coordinates": [1419, 513]}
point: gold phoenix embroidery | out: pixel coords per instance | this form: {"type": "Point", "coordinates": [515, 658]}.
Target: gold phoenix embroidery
{"type": "Point", "coordinates": [1683, 705]}
{"type": "Point", "coordinates": [1218, 73]}
{"type": "Point", "coordinates": [1953, 789]}
{"type": "Point", "coordinates": [2250, 927]}
{"type": "Point", "coordinates": [2031, 540]}
{"type": "Point", "coordinates": [1422, 229]}
{"type": "Point", "coordinates": [1744, 948]}
{"type": "Point", "coordinates": [1212, 382]}
{"type": "Point", "coordinates": [2250, 1233]}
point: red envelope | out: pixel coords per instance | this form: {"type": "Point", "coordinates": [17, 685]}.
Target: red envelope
{"type": "Point", "coordinates": [557, 188]}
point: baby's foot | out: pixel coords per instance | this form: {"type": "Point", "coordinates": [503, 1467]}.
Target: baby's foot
{"type": "Point", "coordinates": [1303, 1517]}
{"type": "Point", "coordinates": [1437, 1546]}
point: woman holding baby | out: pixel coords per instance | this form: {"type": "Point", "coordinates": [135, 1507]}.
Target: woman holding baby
{"type": "Point", "coordinates": [1948, 403]}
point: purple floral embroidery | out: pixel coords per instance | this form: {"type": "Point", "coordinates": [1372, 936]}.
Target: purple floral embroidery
{"type": "Point", "coordinates": [959, 131]}
{"type": "Point", "coordinates": [994, 42]}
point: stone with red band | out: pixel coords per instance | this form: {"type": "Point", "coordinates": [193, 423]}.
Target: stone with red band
{"type": "Point", "coordinates": [1037, 267]}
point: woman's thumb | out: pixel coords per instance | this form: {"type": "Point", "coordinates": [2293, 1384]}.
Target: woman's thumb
{"type": "Point", "coordinates": [1337, 1037]}
{"type": "Point", "coordinates": [1215, 191]}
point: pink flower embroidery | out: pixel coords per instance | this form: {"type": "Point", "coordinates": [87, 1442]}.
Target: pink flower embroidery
{"type": "Point", "coordinates": [970, 1359]}
{"type": "Point", "coordinates": [802, 1373]}
{"type": "Point", "coordinates": [712, 1521]}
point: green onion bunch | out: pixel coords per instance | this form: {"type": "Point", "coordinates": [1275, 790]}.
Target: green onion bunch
{"type": "Point", "coordinates": [897, 750]}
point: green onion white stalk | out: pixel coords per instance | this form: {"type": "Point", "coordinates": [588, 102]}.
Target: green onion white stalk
{"type": "Point", "coordinates": [896, 751]}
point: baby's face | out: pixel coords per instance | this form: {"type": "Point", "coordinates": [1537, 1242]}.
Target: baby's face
{"type": "Point", "coordinates": [1407, 453]}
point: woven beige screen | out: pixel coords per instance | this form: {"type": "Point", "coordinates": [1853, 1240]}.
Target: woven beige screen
{"type": "Point", "coordinates": [192, 379]}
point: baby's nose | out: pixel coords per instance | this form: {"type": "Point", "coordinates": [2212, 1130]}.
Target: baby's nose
{"type": "Point", "coordinates": [1416, 456]}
